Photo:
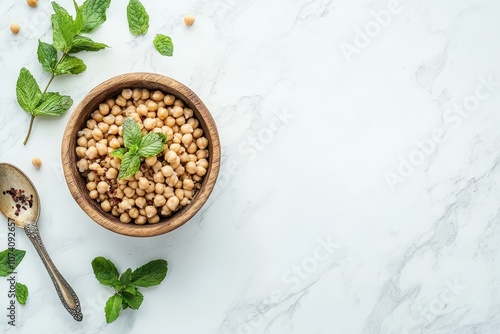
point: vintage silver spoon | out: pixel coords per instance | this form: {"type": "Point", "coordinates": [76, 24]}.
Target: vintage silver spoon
{"type": "Point", "coordinates": [19, 203]}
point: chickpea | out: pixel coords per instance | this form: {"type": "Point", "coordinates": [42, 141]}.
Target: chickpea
{"type": "Point", "coordinates": [133, 213]}
{"type": "Point", "coordinates": [180, 121]}
{"type": "Point", "coordinates": [97, 116]}
{"type": "Point", "coordinates": [81, 152]}
{"type": "Point", "coordinates": [151, 161]}
{"type": "Point", "coordinates": [189, 20]}
{"type": "Point", "coordinates": [173, 203]}
{"type": "Point", "coordinates": [152, 106]}
{"type": "Point", "coordinates": [185, 201]}
{"type": "Point", "coordinates": [121, 101]}
{"type": "Point", "coordinates": [125, 218]}
{"type": "Point", "coordinates": [143, 183]}
{"type": "Point", "coordinates": [114, 143]}
{"type": "Point", "coordinates": [160, 188]}
{"type": "Point", "coordinates": [150, 211]}
{"type": "Point", "coordinates": [111, 174]}
{"type": "Point", "coordinates": [179, 103]}
{"type": "Point", "coordinates": [170, 122]}
{"type": "Point", "coordinates": [150, 188]}
{"type": "Point", "coordinates": [194, 123]}
{"type": "Point", "coordinates": [192, 157]}
{"type": "Point", "coordinates": [94, 166]}
{"type": "Point", "coordinates": [187, 139]}
{"type": "Point", "coordinates": [176, 163]}
{"type": "Point", "coordinates": [162, 113]}
{"type": "Point", "coordinates": [188, 193]}
{"type": "Point", "coordinates": [150, 196]}
{"type": "Point", "coordinates": [202, 154]}
{"type": "Point", "coordinates": [186, 128]}
{"type": "Point", "coordinates": [177, 111]}
{"type": "Point", "coordinates": [91, 152]}
{"type": "Point", "coordinates": [91, 124]}
{"type": "Point", "coordinates": [101, 149]}
{"type": "Point", "coordinates": [106, 206]}
{"type": "Point", "coordinates": [93, 194]}
{"type": "Point", "coordinates": [202, 143]}
{"type": "Point", "coordinates": [170, 156]}
{"type": "Point", "coordinates": [171, 181]}
{"type": "Point", "coordinates": [127, 94]}
{"type": "Point", "coordinates": [180, 170]}
{"type": "Point", "coordinates": [136, 94]}
{"type": "Point", "coordinates": [97, 134]}
{"type": "Point", "coordinates": [192, 148]}
{"type": "Point", "coordinates": [154, 220]}
{"type": "Point", "coordinates": [184, 157]}
{"type": "Point", "coordinates": [196, 178]}
{"type": "Point", "coordinates": [150, 123]}
{"type": "Point", "coordinates": [140, 202]}
{"type": "Point", "coordinates": [145, 94]}
{"type": "Point", "coordinates": [203, 163]}
{"type": "Point", "coordinates": [169, 99]}
{"type": "Point", "coordinates": [82, 165]}
{"type": "Point", "coordinates": [167, 171]}
{"type": "Point", "coordinates": [124, 204]}
{"type": "Point", "coordinates": [118, 120]}
{"type": "Point", "coordinates": [159, 178]}
{"type": "Point", "coordinates": [129, 192]}
{"type": "Point", "coordinates": [14, 28]}
{"type": "Point", "coordinates": [168, 192]}
{"type": "Point", "coordinates": [188, 113]}
{"type": "Point", "coordinates": [32, 3]}
{"type": "Point", "coordinates": [116, 110]}
{"type": "Point", "coordinates": [113, 129]}
{"type": "Point", "coordinates": [160, 200]}
{"type": "Point", "coordinates": [197, 133]}
{"type": "Point", "coordinates": [141, 220]}
{"type": "Point", "coordinates": [102, 187]}
{"type": "Point", "coordinates": [179, 193]}
{"type": "Point", "coordinates": [188, 184]}
{"type": "Point", "coordinates": [110, 102]}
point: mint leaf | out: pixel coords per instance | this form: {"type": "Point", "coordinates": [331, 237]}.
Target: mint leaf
{"type": "Point", "coordinates": [152, 144]}
{"type": "Point", "coordinates": [27, 90]}
{"type": "Point", "coordinates": [82, 43]}
{"type": "Point", "coordinates": [119, 152]}
{"type": "Point", "coordinates": [132, 134]}
{"type": "Point", "coordinates": [94, 14]}
{"type": "Point", "coordinates": [129, 166]}
{"type": "Point", "coordinates": [63, 28]}
{"type": "Point", "coordinates": [132, 297]}
{"type": "Point", "coordinates": [150, 274]}
{"type": "Point", "coordinates": [9, 260]}
{"type": "Point", "coordinates": [126, 278]}
{"type": "Point", "coordinates": [138, 18]}
{"type": "Point", "coordinates": [53, 104]}
{"type": "Point", "coordinates": [78, 23]}
{"type": "Point", "coordinates": [47, 56]}
{"type": "Point", "coordinates": [70, 65]}
{"type": "Point", "coordinates": [113, 307]}
{"type": "Point", "coordinates": [105, 271]}
{"type": "Point", "coordinates": [21, 293]}
{"type": "Point", "coordinates": [163, 44]}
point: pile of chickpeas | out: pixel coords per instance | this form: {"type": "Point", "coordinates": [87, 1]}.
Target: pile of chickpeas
{"type": "Point", "coordinates": [165, 183]}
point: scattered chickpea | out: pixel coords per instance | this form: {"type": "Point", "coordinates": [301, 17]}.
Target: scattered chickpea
{"type": "Point", "coordinates": [37, 162]}
{"type": "Point", "coordinates": [32, 3]}
{"type": "Point", "coordinates": [14, 28]}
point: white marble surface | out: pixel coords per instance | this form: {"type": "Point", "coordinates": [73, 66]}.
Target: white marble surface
{"type": "Point", "coordinates": [304, 233]}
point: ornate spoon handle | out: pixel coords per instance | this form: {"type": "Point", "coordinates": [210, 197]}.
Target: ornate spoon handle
{"type": "Point", "coordinates": [66, 294]}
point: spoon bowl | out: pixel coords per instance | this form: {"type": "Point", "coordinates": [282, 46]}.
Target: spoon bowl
{"type": "Point", "coordinates": [20, 204]}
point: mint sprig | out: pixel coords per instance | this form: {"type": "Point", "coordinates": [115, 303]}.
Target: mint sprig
{"type": "Point", "coordinates": [126, 286]}
{"type": "Point", "coordinates": [66, 39]}
{"type": "Point", "coordinates": [138, 18]}
{"type": "Point", "coordinates": [137, 147]}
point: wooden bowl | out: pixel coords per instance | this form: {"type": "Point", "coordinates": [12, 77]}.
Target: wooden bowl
{"type": "Point", "coordinates": [76, 182]}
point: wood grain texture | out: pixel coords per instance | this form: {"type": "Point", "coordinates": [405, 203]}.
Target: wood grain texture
{"type": "Point", "coordinates": [81, 114]}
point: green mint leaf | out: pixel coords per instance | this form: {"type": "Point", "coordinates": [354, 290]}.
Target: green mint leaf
{"type": "Point", "coordinates": [129, 166]}
{"type": "Point", "coordinates": [126, 278]}
{"type": "Point", "coordinates": [82, 43]}
{"type": "Point", "coordinates": [70, 65]}
{"type": "Point", "coordinates": [163, 44]}
{"type": "Point", "coordinates": [150, 274]}
{"type": "Point", "coordinates": [9, 260]}
{"type": "Point", "coordinates": [113, 307]}
{"type": "Point", "coordinates": [94, 14]}
{"type": "Point", "coordinates": [27, 90]}
{"type": "Point", "coordinates": [78, 23]}
{"type": "Point", "coordinates": [53, 104]}
{"type": "Point", "coordinates": [132, 134]}
{"type": "Point", "coordinates": [152, 144]}
{"type": "Point", "coordinates": [119, 152]}
{"type": "Point", "coordinates": [138, 18]}
{"type": "Point", "coordinates": [63, 28]}
{"type": "Point", "coordinates": [132, 297]}
{"type": "Point", "coordinates": [21, 293]}
{"type": "Point", "coordinates": [124, 304]}
{"type": "Point", "coordinates": [47, 56]}
{"type": "Point", "coordinates": [105, 271]}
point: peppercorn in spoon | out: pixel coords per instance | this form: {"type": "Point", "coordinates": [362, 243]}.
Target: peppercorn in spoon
{"type": "Point", "coordinates": [19, 203]}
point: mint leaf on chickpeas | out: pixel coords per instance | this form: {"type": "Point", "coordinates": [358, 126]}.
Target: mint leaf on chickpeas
{"type": "Point", "coordinates": [143, 155]}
